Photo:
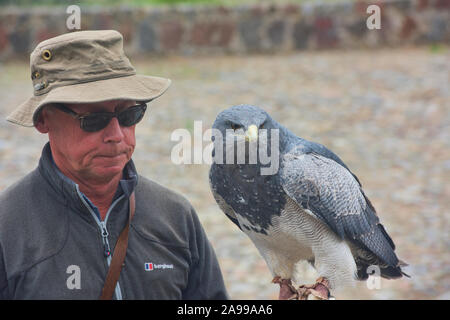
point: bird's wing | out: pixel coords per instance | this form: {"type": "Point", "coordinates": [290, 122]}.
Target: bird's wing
{"type": "Point", "coordinates": [223, 205]}
{"type": "Point", "coordinates": [229, 212]}
{"type": "Point", "coordinates": [332, 194]}
{"type": "Point", "coordinates": [314, 147]}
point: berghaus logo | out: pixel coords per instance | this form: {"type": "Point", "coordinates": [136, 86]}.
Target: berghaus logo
{"type": "Point", "coordinates": [150, 266]}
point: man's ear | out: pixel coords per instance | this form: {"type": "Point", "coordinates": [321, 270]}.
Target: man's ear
{"type": "Point", "coordinates": [42, 121]}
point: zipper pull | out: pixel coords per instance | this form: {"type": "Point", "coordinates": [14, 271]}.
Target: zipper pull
{"type": "Point", "coordinates": [107, 249]}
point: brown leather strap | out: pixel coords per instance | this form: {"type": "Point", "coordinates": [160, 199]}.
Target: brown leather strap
{"type": "Point", "coordinates": [118, 257]}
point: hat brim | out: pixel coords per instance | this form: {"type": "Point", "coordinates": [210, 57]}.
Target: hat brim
{"type": "Point", "coordinates": [135, 87]}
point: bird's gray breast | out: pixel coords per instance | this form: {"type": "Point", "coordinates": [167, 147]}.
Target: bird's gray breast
{"type": "Point", "coordinates": [256, 198]}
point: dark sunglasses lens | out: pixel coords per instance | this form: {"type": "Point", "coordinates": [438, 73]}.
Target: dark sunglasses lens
{"type": "Point", "coordinates": [131, 116]}
{"type": "Point", "coordinates": [95, 122]}
{"type": "Point", "coordinates": [127, 118]}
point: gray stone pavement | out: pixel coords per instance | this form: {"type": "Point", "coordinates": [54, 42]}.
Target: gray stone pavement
{"type": "Point", "coordinates": [386, 113]}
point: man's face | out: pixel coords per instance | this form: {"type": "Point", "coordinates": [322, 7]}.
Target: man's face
{"type": "Point", "coordinates": [89, 156]}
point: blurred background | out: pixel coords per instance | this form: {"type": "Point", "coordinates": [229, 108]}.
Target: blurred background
{"type": "Point", "coordinates": [379, 98]}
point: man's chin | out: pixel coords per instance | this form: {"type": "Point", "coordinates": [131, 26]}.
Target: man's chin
{"type": "Point", "coordinates": [109, 164]}
{"type": "Point", "coordinates": [106, 168]}
{"type": "Point", "coordinates": [107, 173]}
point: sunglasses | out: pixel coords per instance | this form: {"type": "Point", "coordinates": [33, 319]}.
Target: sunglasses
{"type": "Point", "coordinates": [97, 121]}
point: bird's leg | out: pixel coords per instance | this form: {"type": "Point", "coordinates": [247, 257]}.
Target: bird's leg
{"type": "Point", "coordinates": [321, 290]}
{"type": "Point", "coordinates": [287, 290]}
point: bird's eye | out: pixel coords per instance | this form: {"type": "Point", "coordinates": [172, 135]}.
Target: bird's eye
{"type": "Point", "coordinates": [235, 126]}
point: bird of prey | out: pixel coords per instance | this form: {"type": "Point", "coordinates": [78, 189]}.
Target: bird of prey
{"type": "Point", "coordinates": [311, 208]}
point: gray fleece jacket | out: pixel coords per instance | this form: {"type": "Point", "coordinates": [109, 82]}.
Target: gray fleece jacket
{"type": "Point", "coordinates": [54, 246]}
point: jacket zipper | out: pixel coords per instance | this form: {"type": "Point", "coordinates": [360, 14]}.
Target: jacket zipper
{"type": "Point", "coordinates": [104, 233]}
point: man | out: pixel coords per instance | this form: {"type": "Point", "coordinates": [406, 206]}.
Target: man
{"type": "Point", "coordinates": [61, 224]}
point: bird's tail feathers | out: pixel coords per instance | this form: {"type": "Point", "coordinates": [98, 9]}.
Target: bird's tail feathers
{"type": "Point", "coordinates": [387, 272]}
{"type": "Point", "coordinates": [367, 260]}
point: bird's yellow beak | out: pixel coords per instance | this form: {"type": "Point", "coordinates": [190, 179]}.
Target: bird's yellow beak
{"type": "Point", "coordinates": [252, 133]}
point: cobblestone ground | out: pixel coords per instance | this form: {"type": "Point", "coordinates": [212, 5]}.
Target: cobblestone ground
{"type": "Point", "coordinates": [386, 113]}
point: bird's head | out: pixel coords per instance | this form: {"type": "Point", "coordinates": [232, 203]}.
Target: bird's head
{"type": "Point", "coordinates": [243, 121]}
{"type": "Point", "coordinates": [244, 127]}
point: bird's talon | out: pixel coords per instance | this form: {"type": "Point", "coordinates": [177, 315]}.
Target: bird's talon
{"type": "Point", "coordinates": [287, 290]}
{"type": "Point", "coordinates": [320, 294]}
{"type": "Point", "coordinates": [276, 279]}
{"type": "Point", "coordinates": [293, 297]}
{"type": "Point", "coordinates": [303, 293]}
{"type": "Point", "coordinates": [319, 290]}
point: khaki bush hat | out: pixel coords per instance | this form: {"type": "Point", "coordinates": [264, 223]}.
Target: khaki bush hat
{"type": "Point", "coordinates": [84, 67]}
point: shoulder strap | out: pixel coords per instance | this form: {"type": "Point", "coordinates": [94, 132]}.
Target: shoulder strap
{"type": "Point", "coordinates": [118, 257]}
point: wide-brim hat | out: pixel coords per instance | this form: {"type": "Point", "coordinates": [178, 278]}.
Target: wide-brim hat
{"type": "Point", "coordinates": [84, 67]}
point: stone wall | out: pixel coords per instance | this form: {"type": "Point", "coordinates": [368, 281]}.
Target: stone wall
{"type": "Point", "coordinates": [257, 28]}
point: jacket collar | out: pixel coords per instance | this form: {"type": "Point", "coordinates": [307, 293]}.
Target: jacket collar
{"type": "Point", "coordinates": [67, 188]}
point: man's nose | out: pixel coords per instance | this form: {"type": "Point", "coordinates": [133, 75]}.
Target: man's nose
{"type": "Point", "coordinates": [113, 131]}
